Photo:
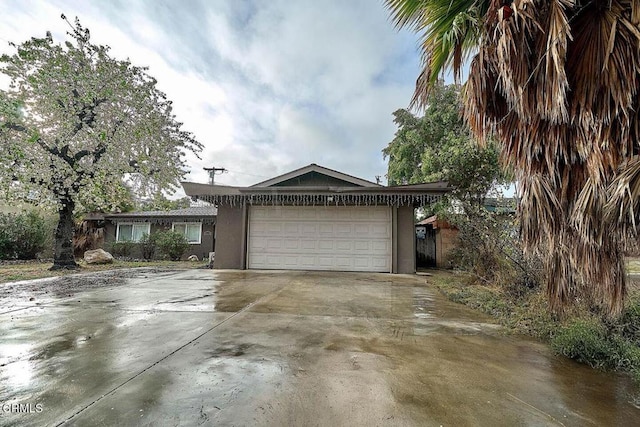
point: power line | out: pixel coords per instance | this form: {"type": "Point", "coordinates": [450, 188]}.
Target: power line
{"type": "Point", "coordinates": [212, 173]}
{"type": "Point", "coordinates": [248, 174]}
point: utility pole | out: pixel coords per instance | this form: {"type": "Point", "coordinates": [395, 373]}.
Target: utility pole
{"type": "Point", "coordinates": [212, 173]}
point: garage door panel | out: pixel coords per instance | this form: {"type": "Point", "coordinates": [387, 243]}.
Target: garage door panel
{"type": "Point", "coordinates": [344, 245]}
{"type": "Point", "coordinates": [344, 229]}
{"type": "Point", "coordinates": [307, 214]}
{"type": "Point", "coordinates": [291, 229]}
{"type": "Point", "coordinates": [291, 244]}
{"type": "Point", "coordinates": [379, 229]}
{"type": "Point", "coordinates": [379, 262]}
{"type": "Point", "coordinates": [307, 244]}
{"type": "Point", "coordinates": [320, 238]}
{"type": "Point", "coordinates": [291, 262]}
{"type": "Point", "coordinates": [308, 229]}
{"type": "Point", "coordinates": [380, 246]}
{"type": "Point", "coordinates": [325, 229]}
{"type": "Point", "coordinates": [360, 262]}
{"type": "Point", "coordinates": [344, 263]}
{"type": "Point", "coordinates": [325, 262]}
{"type": "Point", "coordinates": [325, 245]}
{"type": "Point", "coordinates": [274, 244]}
{"type": "Point", "coordinates": [307, 261]}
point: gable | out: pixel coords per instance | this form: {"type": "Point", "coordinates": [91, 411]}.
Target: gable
{"type": "Point", "coordinates": [315, 176]}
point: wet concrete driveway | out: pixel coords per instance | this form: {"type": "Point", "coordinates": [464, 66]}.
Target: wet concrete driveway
{"type": "Point", "coordinates": [204, 347]}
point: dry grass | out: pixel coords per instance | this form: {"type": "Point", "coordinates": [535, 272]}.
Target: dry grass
{"type": "Point", "coordinates": [11, 272]}
{"type": "Point", "coordinates": [633, 268]}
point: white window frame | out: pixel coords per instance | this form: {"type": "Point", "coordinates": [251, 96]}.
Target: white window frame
{"type": "Point", "coordinates": [186, 224]}
{"type": "Point", "coordinates": [132, 224]}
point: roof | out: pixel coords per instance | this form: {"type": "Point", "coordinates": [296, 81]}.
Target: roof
{"type": "Point", "coordinates": [321, 170]}
{"type": "Point", "coordinates": [435, 222]}
{"type": "Point", "coordinates": [429, 220]}
{"type": "Point", "coordinates": [415, 194]}
{"type": "Point", "coordinates": [504, 205]}
{"type": "Point", "coordinates": [186, 212]}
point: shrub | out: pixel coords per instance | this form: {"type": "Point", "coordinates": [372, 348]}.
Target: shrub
{"type": "Point", "coordinates": [121, 249]}
{"type": "Point", "coordinates": [590, 341]}
{"type": "Point", "coordinates": [171, 244]}
{"type": "Point", "coordinates": [148, 246]}
{"type": "Point", "coordinates": [584, 340]}
{"type": "Point", "coordinates": [488, 246]}
{"type": "Point", "coordinates": [22, 236]}
{"type": "Point", "coordinates": [630, 321]}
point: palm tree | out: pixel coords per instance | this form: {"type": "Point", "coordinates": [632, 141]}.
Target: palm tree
{"type": "Point", "coordinates": [557, 83]}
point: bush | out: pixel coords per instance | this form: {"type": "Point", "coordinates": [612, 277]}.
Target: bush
{"type": "Point", "coordinates": [489, 247]}
{"type": "Point", "coordinates": [171, 244]}
{"type": "Point", "coordinates": [629, 322]}
{"type": "Point", "coordinates": [121, 249]}
{"type": "Point", "coordinates": [590, 341]}
{"type": "Point", "coordinates": [148, 246]}
{"type": "Point", "coordinates": [22, 236]}
{"type": "Point", "coordinates": [584, 340]}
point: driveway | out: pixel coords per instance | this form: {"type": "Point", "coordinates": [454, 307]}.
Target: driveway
{"type": "Point", "coordinates": [203, 347]}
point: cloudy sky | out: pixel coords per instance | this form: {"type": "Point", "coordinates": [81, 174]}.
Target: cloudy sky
{"type": "Point", "coordinates": [266, 85]}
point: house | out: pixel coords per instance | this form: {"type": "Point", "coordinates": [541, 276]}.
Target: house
{"type": "Point", "coordinates": [316, 218]}
{"type": "Point", "coordinates": [196, 223]}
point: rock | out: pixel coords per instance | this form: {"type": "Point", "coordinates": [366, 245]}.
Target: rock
{"type": "Point", "coordinates": [98, 256]}
{"type": "Point", "coordinates": [193, 258]}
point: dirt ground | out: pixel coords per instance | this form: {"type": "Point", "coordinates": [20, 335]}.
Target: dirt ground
{"type": "Point", "coordinates": [68, 285]}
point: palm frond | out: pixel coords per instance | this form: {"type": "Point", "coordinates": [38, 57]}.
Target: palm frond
{"type": "Point", "coordinates": [450, 32]}
{"type": "Point", "coordinates": [557, 82]}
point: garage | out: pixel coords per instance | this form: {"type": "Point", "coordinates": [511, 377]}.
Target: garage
{"type": "Point", "coordinates": [316, 218]}
{"type": "Point", "coordinates": [335, 238]}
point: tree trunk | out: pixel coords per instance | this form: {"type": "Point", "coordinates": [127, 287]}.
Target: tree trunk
{"type": "Point", "coordinates": [63, 250]}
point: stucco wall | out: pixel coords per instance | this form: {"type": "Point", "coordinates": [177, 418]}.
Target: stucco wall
{"type": "Point", "coordinates": [405, 241]}
{"type": "Point", "coordinates": [230, 238]}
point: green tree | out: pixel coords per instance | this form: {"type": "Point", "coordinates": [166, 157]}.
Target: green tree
{"type": "Point", "coordinates": [160, 202]}
{"type": "Point", "coordinates": [555, 82]}
{"type": "Point", "coordinates": [75, 122]}
{"type": "Point", "coordinates": [439, 147]}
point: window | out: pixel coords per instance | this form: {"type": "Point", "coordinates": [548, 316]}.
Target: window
{"type": "Point", "coordinates": [129, 232]}
{"type": "Point", "coordinates": [191, 230]}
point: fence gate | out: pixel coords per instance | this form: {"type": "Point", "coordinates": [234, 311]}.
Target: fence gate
{"type": "Point", "coordinates": [425, 246]}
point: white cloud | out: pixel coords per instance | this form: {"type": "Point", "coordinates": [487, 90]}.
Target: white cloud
{"type": "Point", "coordinates": [265, 86]}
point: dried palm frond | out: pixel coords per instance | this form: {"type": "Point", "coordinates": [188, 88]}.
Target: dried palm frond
{"type": "Point", "coordinates": [623, 206]}
{"type": "Point", "coordinates": [557, 82]}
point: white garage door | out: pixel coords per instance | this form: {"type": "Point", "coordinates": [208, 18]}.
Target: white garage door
{"type": "Point", "coordinates": [347, 238]}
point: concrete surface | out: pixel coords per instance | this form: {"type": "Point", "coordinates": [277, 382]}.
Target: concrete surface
{"type": "Point", "coordinates": [206, 347]}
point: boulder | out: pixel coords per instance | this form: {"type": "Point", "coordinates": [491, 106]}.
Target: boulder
{"type": "Point", "coordinates": [98, 256]}
{"type": "Point", "coordinates": [193, 258]}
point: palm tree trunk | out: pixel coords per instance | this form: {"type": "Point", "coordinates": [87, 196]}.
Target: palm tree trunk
{"type": "Point", "coordinates": [63, 247]}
